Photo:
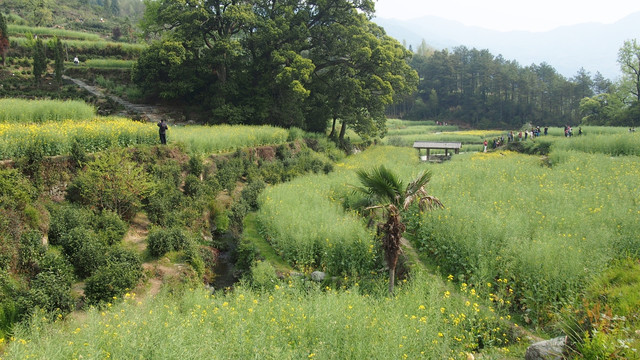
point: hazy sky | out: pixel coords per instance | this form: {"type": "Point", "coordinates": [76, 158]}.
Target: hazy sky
{"type": "Point", "coordinates": [505, 15]}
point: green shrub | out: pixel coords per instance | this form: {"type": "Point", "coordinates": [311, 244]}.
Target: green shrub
{"type": "Point", "coordinates": [229, 171]}
{"type": "Point", "coordinates": [16, 191]}
{"type": "Point", "coordinates": [111, 182]}
{"type": "Point", "coordinates": [251, 192]}
{"type": "Point", "coordinates": [218, 218]}
{"type": "Point", "coordinates": [170, 172]}
{"type": "Point", "coordinates": [165, 198]}
{"type": "Point", "coordinates": [109, 227]}
{"type": "Point", "coordinates": [273, 172]}
{"type": "Point", "coordinates": [65, 218]}
{"type": "Point", "coordinates": [111, 281]}
{"type": "Point", "coordinates": [31, 250]}
{"type": "Point", "coordinates": [161, 241]}
{"type": "Point", "coordinates": [245, 254]}
{"type": "Point", "coordinates": [192, 185]}
{"type": "Point", "coordinates": [195, 165]}
{"type": "Point", "coordinates": [263, 275]}
{"type": "Point", "coordinates": [55, 263]}
{"type": "Point", "coordinates": [84, 250]}
{"type": "Point", "coordinates": [78, 153]}
{"type": "Point", "coordinates": [120, 273]}
{"type": "Point", "coordinates": [194, 257]}
{"type": "Point", "coordinates": [239, 210]}
{"type": "Point", "coordinates": [9, 310]}
{"type": "Point", "coordinates": [50, 292]}
{"type": "Point", "coordinates": [31, 162]}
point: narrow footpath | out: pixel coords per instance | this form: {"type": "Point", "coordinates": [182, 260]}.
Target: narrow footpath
{"type": "Point", "coordinates": [151, 112]}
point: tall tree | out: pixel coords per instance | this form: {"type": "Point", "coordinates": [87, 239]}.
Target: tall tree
{"type": "Point", "coordinates": [4, 38]}
{"type": "Point", "coordinates": [40, 13]}
{"type": "Point", "coordinates": [39, 60]}
{"type": "Point", "coordinates": [384, 190]}
{"type": "Point", "coordinates": [58, 53]}
{"type": "Point", "coordinates": [629, 60]}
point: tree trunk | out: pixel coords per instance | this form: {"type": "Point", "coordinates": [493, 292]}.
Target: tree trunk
{"type": "Point", "coordinates": [343, 130]}
{"type": "Point", "coordinates": [392, 276]}
{"type": "Point", "coordinates": [333, 128]}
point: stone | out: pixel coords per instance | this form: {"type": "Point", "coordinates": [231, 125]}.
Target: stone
{"type": "Point", "coordinates": [318, 276]}
{"type": "Point", "coordinates": [552, 349]}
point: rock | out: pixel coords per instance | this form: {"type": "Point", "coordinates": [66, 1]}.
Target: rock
{"type": "Point", "coordinates": [318, 276]}
{"type": "Point", "coordinates": [552, 349]}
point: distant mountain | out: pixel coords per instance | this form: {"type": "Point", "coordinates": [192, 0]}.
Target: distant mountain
{"type": "Point", "coordinates": [592, 46]}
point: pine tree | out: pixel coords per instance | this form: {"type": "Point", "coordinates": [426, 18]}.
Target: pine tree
{"type": "Point", "coordinates": [4, 38]}
{"type": "Point", "coordinates": [59, 61]}
{"type": "Point", "coordinates": [115, 8]}
{"type": "Point", "coordinates": [39, 60]}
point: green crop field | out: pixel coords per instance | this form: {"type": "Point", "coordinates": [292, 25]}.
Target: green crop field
{"type": "Point", "coordinates": [40, 111]}
{"type": "Point", "coordinates": [49, 32]}
{"type": "Point", "coordinates": [224, 138]}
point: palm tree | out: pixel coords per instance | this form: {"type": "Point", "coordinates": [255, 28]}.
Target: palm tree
{"type": "Point", "coordinates": [384, 190]}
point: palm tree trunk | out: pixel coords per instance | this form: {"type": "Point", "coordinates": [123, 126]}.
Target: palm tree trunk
{"type": "Point", "coordinates": [392, 276]}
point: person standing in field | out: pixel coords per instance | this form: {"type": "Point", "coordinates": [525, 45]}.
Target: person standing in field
{"type": "Point", "coordinates": [163, 131]}
{"type": "Point", "coordinates": [485, 145]}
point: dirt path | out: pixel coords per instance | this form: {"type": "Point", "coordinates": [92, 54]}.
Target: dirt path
{"type": "Point", "coordinates": [137, 234]}
{"type": "Point", "coordinates": [151, 112]}
{"type": "Point", "coordinates": [158, 271]}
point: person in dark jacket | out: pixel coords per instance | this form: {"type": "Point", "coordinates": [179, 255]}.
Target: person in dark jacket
{"type": "Point", "coordinates": [163, 131]}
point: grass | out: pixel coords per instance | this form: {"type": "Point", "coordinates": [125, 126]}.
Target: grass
{"type": "Point", "coordinates": [40, 111]}
{"type": "Point", "coordinates": [251, 233]}
{"type": "Point", "coordinates": [318, 232]}
{"type": "Point", "coordinates": [90, 47]}
{"type": "Point", "coordinates": [108, 64]}
{"type": "Point", "coordinates": [543, 231]}
{"type": "Point", "coordinates": [50, 32]}
{"type": "Point", "coordinates": [292, 320]}
{"type": "Point", "coordinates": [206, 140]}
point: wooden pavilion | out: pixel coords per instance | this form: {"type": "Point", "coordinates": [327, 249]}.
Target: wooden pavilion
{"type": "Point", "coordinates": [446, 146]}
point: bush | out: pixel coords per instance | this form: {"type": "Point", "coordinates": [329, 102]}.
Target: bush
{"type": "Point", "coordinates": [263, 275]}
{"type": "Point", "coordinates": [78, 153]}
{"type": "Point", "coordinates": [111, 281]}
{"type": "Point", "coordinates": [195, 165]}
{"type": "Point", "coordinates": [54, 263]}
{"type": "Point", "coordinates": [239, 210]}
{"type": "Point", "coordinates": [84, 250]}
{"type": "Point", "coordinates": [111, 182]}
{"type": "Point", "coordinates": [31, 163]}
{"type": "Point", "coordinates": [162, 241]}
{"type": "Point", "coordinates": [31, 250]}
{"type": "Point", "coordinates": [163, 200]}
{"type": "Point", "coordinates": [170, 172]}
{"type": "Point", "coordinates": [251, 192]}
{"type": "Point", "coordinates": [9, 311]}
{"type": "Point", "coordinates": [110, 227]}
{"type": "Point", "coordinates": [50, 292]}
{"type": "Point", "coordinates": [16, 191]}
{"type": "Point", "coordinates": [218, 218]}
{"type": "Point", "coordinates": [192, 185]}
{"type": "Point", "coordinates": [245, 254]}
{"type": "Point", "coordinates": [194, 257]}
{"type": "Point", "coordinates": [229, 171]}
{"type": "Point", "coordinates": [65, 218]}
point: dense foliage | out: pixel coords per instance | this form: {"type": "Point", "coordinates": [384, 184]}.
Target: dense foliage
{"type": "Point", "coordinates": [489, 91]}
{"type": "Point", "coordinates": [287, 63]}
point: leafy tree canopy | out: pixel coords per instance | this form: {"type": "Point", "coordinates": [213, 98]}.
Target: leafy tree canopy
{"type": "Point", "coordinates": [278, 62]}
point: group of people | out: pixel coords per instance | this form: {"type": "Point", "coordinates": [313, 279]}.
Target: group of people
{"type": "Point", "coordinates": [533, 132]}
{"type": "Point", "coordinates": [568, 131]}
